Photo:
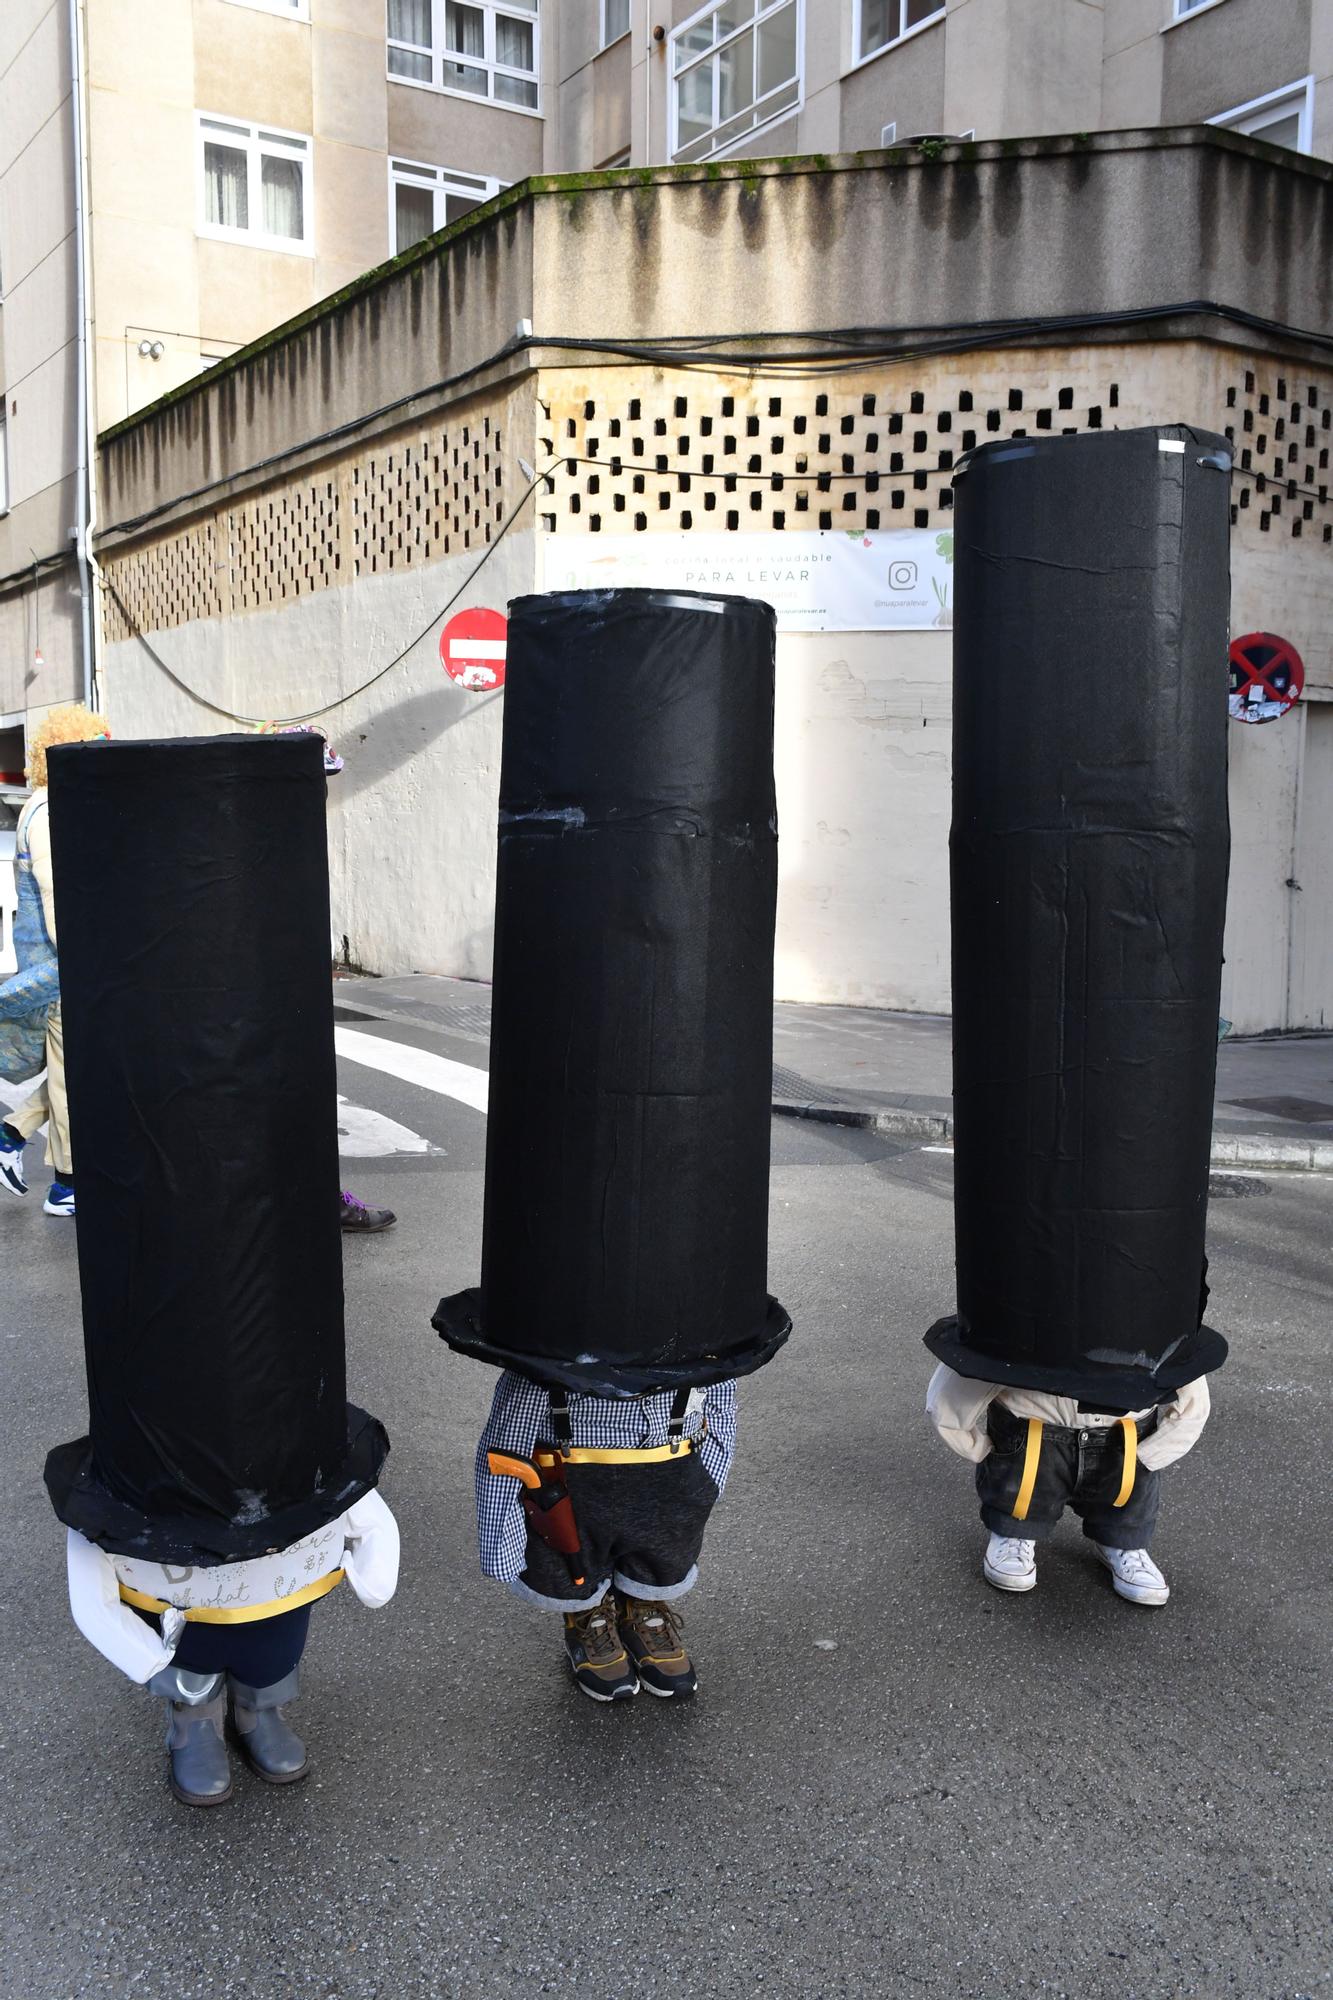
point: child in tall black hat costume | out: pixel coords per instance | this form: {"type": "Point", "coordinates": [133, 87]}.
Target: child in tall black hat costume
{"type": "Point", "coordinates": [226, 1485]}
{"type": "Point", "coordinates": [1089, 868]}
{"type": "Point", "coordinates": [625, 1240]}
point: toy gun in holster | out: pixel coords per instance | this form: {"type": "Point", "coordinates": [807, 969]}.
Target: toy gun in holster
{"type": "Point", "coordinates": [547, 1504]}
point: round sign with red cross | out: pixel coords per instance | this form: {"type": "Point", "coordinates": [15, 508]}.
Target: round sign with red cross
{"type": "Point", "coordinates": [472, 649]}
{"type": "Point", "coordinates": [1267, 677]}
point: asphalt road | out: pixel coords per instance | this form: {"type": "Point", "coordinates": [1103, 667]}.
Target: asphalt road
{"type": "Point", "coordinates": [894, 1781]}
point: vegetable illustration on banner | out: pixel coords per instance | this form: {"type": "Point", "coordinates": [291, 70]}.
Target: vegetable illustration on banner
{"type": "Point", "coordinates": [1267, 677]}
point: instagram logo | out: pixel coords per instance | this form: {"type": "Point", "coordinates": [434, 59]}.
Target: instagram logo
{"type": "Point", "coordinates": [902, 575]}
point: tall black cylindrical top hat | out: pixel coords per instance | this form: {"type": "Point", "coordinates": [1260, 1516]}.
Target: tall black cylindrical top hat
{"type": "Point", "coordinates": [1089, 856]}
{"type": "Point", "coordinates": [191, 888]}
{"type": "Point", "coordinates": [626, 1213]}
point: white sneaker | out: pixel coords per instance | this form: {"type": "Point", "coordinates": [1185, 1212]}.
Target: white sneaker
{"type": "Point", "coordinates": [59, 1200]}
{"type": "Point", "coordinates": [1010, 1564]}
{"type": "Point", "coordinates": [1134, 1575]}
{"type": "Point", "coordinates": [11, 1168]}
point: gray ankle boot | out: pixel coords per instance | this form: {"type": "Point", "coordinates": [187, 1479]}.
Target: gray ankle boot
{"type": "Point", "coordinates": [270, 1746]}
{"type": "Point", "coordinates": [199, 1772]}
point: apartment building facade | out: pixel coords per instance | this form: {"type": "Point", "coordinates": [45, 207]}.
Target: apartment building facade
{"type": "Point", "coordinates": [178, 180]}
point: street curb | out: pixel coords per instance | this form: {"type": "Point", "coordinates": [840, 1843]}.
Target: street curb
{"type": "Point", "coordinates": [1309, 1156]}
{"type": "Point", "coordinates": [827, 1114]}
{"type": "Point", "coordinates": [1306, 1156]}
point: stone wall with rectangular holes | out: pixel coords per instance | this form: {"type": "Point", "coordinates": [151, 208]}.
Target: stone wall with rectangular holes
{"type": "Point", "coordinates": [413, 498]}
{"type": "Point", "coordinates": [250, 603]}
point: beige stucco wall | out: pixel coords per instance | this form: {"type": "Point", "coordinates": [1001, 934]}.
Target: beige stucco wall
{"type": "Point", "coordinates": [151, 69]}
{"type": "Point", "coordinates": [1015, 68]}
{"type": "Point", "coordinates": [298, 572]}
{"type": "Point", "coordinates": [412, 818]}
{"type": "Point", "coordinates": [1232, 53]}
{"type": "Point", "coordinates": [37, 358]}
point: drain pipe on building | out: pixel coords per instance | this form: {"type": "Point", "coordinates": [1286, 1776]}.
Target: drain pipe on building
{"type": "Point", "coordinates": [86, 466]}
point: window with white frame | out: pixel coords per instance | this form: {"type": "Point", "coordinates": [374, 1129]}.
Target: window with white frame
{"type": "Point", "coordinates": [291, 10]}
{"type": "Point", "coordinates": [423, 199]}
{"type": "Point", "coordinates": [254, 185]}
{"type": "Point", "coordinates": [880, 23]}
{"type": "Point", "coordinates": [1183, 7]}
{"type": "Point", "coordinates": [1284, 117]}
{"type": "Point", "coordinates": [480, 51]}
{"type": "Point", "coordinates": [615, 20]}
{"type": "Point", "coordinates": [734, 66]}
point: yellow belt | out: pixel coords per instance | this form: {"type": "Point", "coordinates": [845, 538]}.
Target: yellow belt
{"type": "Point", "coordinates": [577, 1454]}
{"type": "Point", "coordinates": [1129, 1430]}
{"type": "Point", "coordinates": [235, 1614]}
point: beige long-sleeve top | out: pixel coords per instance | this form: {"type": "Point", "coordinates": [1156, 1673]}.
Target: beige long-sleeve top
{"type": "Point", "coordinates": [957, 1407]}
{"type": "Point", "coordinates": [35, 823]}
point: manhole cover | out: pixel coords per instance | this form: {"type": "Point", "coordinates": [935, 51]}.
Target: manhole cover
{"type": "Point", "coordinates": [1301, 1110]}
{"type": "Point", "coordinates": [1235, 1187]}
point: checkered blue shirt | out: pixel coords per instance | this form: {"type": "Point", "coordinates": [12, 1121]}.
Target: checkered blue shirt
{"type": "Point", "coordinates": [520, 1419]}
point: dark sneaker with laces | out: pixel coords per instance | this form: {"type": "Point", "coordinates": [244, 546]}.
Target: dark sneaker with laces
{"type": "Point", "coordinates": [355, 1215]}
{"type": "Point", "coordinates": [602, 1667]}
{"type": "Point", "coordinates": [651, 1632]}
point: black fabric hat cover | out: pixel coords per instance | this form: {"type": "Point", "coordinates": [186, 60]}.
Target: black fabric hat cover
{"type": "Point", "coordinates": [626, 1215]}
{"type": "Point", "coordinates": [1089, 857]}
{"type": "Point", "coordinates": [191, 882]}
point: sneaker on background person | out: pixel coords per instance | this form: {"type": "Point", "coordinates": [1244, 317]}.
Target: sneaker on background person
{"type": "Point", "coordinates": [1134, 1575]}
{"type": "Point", "coordinates": [59, 1199]}
{"type": "Point", "coordinates": [364, 1221]}
{"type": "Point", "coordinates": [11, 1161]}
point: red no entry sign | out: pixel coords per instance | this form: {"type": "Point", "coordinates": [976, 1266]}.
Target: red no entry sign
{"type": "Point", "coordinates": [1266, 677]}
{"type": "Point", "coordinates": [472, 648]}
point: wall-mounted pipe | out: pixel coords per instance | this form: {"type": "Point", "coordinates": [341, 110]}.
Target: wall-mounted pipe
{"type": "Point", "coordinates": [85, 420]}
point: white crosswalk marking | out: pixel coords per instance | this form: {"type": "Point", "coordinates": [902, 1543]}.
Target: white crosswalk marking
{"type": "Point", "coordinates": [369, 1135]}
{"type": "Point", "coordinates": [419, 1066]}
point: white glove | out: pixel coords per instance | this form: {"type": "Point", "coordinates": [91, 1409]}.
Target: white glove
{"type": "Point", "coordinates": [370, 1552]}
{"type": "Point", "coordinates": [108, 1624]}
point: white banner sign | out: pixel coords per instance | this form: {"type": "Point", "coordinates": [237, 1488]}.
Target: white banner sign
{"type": "Point", "coordinates": [883, 581]}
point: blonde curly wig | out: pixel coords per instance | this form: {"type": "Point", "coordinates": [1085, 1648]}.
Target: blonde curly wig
{"type": "Point", "coordinates": [71, 724]}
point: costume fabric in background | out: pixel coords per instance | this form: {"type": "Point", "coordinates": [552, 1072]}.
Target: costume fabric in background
{"type": "Point", "coordinates": [224, 1472]}
{"type": "Point", "coordinates": [625, 1236]}
{"type": "Point", "coordinates": [1089, 857]}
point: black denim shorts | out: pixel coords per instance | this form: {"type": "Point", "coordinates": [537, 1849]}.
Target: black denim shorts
{"type": "Point", "coordinates": [641, 1527]}
{"type": "Point", "coordinates": [1079, 1469]}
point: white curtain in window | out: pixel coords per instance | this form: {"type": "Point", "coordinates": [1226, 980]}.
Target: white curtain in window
{"type": "Point", "coordinates": [226, 190]}
{"type": "Point", "coordinates": [464, 30]}
{"type": "Point", "coordinates": [284, 197]}
{"type": "Point", "coordinates": [513, 42]}
{"type": "Point", "coordinates": [616, 19]}
{"type": "Point", "coordinates": [414, 215]}
{"type": "Point", "coordinates": [409, 21]}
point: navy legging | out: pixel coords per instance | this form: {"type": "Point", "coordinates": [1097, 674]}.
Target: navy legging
{"type": "Point", "coordinates": [256, 1654]}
